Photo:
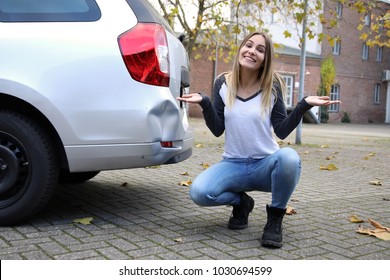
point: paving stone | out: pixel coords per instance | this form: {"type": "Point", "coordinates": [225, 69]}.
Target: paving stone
{"type": "Point", "coordinates": [53, 248]}
{"type": "Point", "coordinates": [35, 255]}
{"type": "Point", "coordinates": [113, 254]}
{"type": "Point", "coordinates": [84, 255]}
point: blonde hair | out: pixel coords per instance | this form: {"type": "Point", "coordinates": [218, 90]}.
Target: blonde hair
{"type": "Point", "coordinates": [267, 76]}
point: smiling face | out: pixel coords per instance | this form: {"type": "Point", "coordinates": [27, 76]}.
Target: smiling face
{"type": "Point", "coordinates": [252, 53]}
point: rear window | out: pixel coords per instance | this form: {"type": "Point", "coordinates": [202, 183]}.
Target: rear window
{"type": "Point", "coordinates": [48, 10]}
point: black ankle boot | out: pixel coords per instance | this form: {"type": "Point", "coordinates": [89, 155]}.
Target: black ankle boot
{"type": "Point", "coordinates": [273, 230]}
{"type": "Point", "coordinates": [240, 213]}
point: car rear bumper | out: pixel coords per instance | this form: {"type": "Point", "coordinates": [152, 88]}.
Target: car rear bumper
{"type": "Point", "coordinates": [123, 156]}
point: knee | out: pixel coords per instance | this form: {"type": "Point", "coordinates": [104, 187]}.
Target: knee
{"type": "Point", "coordinates": [199, 196]}
{"type": "Point", "coordinates": [289, 157]}
{"type": "Point", "coordinates": [289, 161]}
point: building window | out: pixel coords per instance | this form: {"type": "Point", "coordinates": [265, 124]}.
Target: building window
{"type": "Point", "coordinates": [365, 51]}
{"type": "Point", "coordinates": [381, 26]}
{"type": "Point", "coordinates": [334, 95]}
{"type": "Point", "coordinates": [289, 80]}
{"type": "Point", "coordinates": [367, 20]}
{"type": "Point", "coordinates": [377, 93]}
{"type": "Point", "coordinates": [336, 47]}
{"type": "Point", "coordinates": [379, 53]}
{"type": "Point", "coordinates": [339, 9]}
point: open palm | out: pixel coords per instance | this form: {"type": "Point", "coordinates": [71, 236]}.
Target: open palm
{"type": "Point", "coordinates": [315, 100]}
{"type": "Point", "coordinates": [191, 98]}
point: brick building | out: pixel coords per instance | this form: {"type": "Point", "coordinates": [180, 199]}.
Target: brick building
{"type": "Point", "coordinates": [359, 70]}
{"type": "Point", "coordinates": [359, 82]}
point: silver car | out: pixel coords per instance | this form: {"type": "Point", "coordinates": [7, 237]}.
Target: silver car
{"type": "Point", "coordinates": [85, 86]}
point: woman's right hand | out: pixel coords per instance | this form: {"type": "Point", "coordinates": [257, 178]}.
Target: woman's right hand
{"type": "Point", "coordinates": [191, 98]}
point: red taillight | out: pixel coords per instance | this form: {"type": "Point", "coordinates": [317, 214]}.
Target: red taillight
{"type": "Point", "coordinates": [166, 144]}
{"type": "Point", "coordinates": [144, 50]}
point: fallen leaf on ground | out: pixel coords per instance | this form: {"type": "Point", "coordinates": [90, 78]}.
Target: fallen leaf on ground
{"type": "Point", "coordinates": [199, 146]}
{"type": "Point", "coordinates": [205, 165]}
{"type": "Point", "coordinates": [329, 167]}
{"type": "Point", "coordinates": [379, 231]}
{"type": "Point", "coordinates": [185, 183]}
{"type": "Point", "coordinates": [185, 173]}
{"type": "Point", "coordinates": [325, 146]}
{"type": "Point", "coordinates": [377, 225]}
{"type": "Point", "coordinates": [83, 221]}
{"type": "Point", "coordinates": [355, 219]}
{"type": "Point", "coordinates": [376, 182]}
{"type": "Point", "coordinates": [290, 210]}
{"type": "Point", "coordinates": [367, 157]}
{"type": "Point", "coordinates": [329, 157]}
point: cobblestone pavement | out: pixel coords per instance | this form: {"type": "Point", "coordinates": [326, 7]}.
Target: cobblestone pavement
{"type": "Point", "coordinates": [145, 214]}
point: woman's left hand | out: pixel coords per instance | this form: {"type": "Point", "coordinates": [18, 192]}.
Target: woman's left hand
{"type": "Point", "coordinates": [315, 100]}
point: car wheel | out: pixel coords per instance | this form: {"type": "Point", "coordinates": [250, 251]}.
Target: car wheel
{"type": "Point", "coordinates": [77, 177]}
{"type": "Point", "coordinates": [28, 168]}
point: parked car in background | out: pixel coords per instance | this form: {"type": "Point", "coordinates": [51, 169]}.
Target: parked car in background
{"type": "Point", "coordinates": [85, 86]}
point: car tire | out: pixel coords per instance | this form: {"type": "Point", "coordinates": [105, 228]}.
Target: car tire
{"type": "Point", "coordinates": [28, 168]}
{"type": "Point", "coordinates": [77, 177]}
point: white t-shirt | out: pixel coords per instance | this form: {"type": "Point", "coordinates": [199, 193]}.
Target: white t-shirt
{"type": "Point", "coordinates": [247, 135]}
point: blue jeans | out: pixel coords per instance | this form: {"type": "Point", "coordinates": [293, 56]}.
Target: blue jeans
{"type": "Point", "coordinates": [221, 183]}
